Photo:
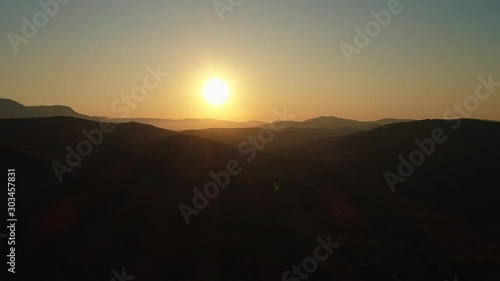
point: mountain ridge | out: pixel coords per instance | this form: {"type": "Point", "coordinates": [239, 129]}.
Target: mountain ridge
{"type": "Point", "coordinates": [13, 109]}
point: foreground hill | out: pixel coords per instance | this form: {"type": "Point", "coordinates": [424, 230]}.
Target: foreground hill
{"type": "Point", "coordinates": [392, 140]}
{"type": "Point", "coordinates": [120, 207]}
{"type": "Point", "coordinates": [55, 133]}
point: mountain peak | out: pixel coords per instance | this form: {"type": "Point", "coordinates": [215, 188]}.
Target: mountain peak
{"type": "Point", "coordinates": [13, 109]}
{"type": "Point", "coordinates": [326, 118]}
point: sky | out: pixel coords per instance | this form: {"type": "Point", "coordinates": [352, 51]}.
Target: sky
{"type": "Point", "coordinates": [272, 54]}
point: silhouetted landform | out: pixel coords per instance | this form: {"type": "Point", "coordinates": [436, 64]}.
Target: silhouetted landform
{"type": "Point", "coordinates": [119, 208]}
{"type": "Point", "coordinates": [193, 124]}
{"type": "Point", "coordinates": [329, 122]}
{"type": "Point", "coordinates": [55, 133]}
{"type": "Point", "coordinates": [11, 109]}
{"type": "Point", "coordinates": [286, 139]}
{"type": "Point", "coordinates": [294, 133]}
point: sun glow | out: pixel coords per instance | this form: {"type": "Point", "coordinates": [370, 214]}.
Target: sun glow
{"type": "Point", "coordinates": [216, 91]}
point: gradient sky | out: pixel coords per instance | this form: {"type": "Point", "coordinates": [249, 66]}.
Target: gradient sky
{"type": "Point", "coordinates": [272, 53]}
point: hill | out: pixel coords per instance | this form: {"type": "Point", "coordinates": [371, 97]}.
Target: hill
{"type": "Point", "coordinates": [55, 133]}
{"type": "Point", "coordinates": [330, 122]}
{"type": "Point", "coordinates": [10, 109]}
{"type": "Point", "coordinates": [124, 198]}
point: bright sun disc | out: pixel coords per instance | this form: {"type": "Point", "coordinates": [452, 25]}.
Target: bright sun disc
{"type": "Point", "coordinates": [216, 91]}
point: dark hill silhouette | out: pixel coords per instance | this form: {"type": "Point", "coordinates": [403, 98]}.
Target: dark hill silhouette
{"type": "Point", "coordinates": [120, 207]}
{"type": "Point", "coordinates": [394, 139]}
{"type": "Point", "coordinates": [285, 139]}
{"type": "Point", "coordinates": [11, 109]}
{"type": "Point", "coordinates": [330, 122]}
{"type": "Point", "coordinates": [191, 124]}
{"type": "Point", "coordinates": [472, 147]}
{"type": "Point", "coordinates": [55, 133]}
{"type": "Point", "coordinates": [295, 133]}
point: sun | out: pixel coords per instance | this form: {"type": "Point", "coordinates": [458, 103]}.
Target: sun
{"type": "Point", "coordinates": [216, 91]}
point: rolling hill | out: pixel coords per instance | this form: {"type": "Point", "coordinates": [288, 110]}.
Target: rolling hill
{"type": "Point", "coordinates": [120, 207]}
{"type": "Point", "coordinates": [10, 109]}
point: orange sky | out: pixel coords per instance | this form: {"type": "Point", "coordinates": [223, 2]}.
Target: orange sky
{"type": "Point", "coordinates": [271, 54]}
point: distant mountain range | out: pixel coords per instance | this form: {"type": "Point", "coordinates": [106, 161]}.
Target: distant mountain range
{"type": "Point", "coordinates": [11, 109]}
